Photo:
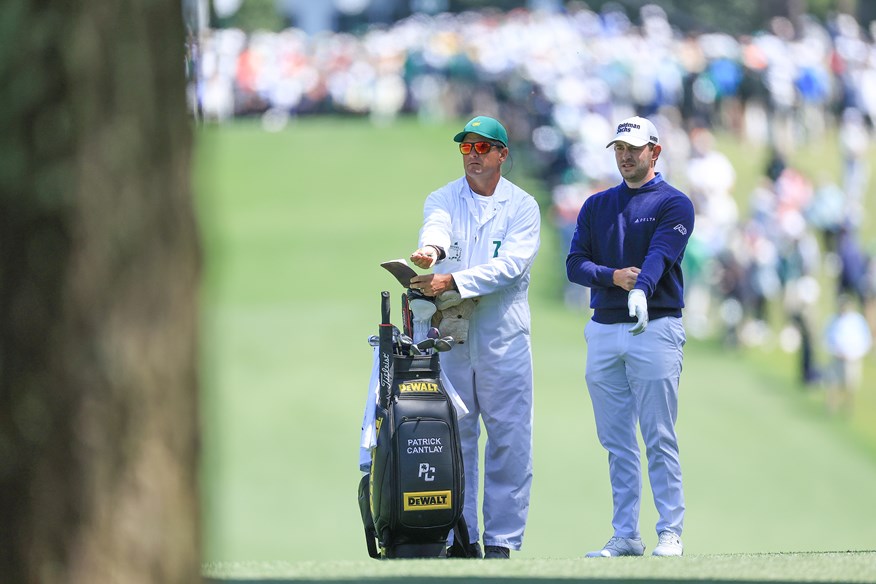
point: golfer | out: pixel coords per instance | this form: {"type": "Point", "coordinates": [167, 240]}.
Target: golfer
{"type": "Point", "coordinates": [627, 248]}
{"type": "Point", "coordinates": [481, 235]}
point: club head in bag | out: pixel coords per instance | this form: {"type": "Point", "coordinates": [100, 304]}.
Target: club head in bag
{"type": "Point", "coordinates": [404, 344]}
{"type": "Point", "coordinates": [374, 340]}
{"type": "Point", "coordinates": [426, 344]}
{"type": "Point", "coordinates": [433, 333]}
{"type": "Point", "coordinates": [444, 344]}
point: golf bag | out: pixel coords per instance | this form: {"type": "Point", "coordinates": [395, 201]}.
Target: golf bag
{"type": "Point", "coordinates": [415, 491]}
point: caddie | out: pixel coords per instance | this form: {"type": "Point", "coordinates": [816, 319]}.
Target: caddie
{"type": "Point", "coordinates": [480, 236]}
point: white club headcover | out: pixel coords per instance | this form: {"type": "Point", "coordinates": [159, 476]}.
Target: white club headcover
{"type": "Point", "coordinates": [422, 309]}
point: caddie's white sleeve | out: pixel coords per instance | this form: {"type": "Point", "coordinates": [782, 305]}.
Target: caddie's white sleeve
{"type": "Point", "coordinates": [437, 223]}
{"type": "Point", "coordinates": [514, 258]}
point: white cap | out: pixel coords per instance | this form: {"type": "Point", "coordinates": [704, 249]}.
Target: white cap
{"type": "Point", "coordinates": [635, 131]}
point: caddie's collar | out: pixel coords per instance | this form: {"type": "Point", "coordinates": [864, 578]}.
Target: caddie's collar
{"type": "Point", "coordinates": [503, 190]}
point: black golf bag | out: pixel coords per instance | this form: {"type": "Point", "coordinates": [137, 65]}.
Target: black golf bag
{"type": "Point", "coordinates": [415, 492]}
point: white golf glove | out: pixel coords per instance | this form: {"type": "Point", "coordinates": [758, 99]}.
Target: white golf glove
{"type": "Point", "coordinates": [638, 306]}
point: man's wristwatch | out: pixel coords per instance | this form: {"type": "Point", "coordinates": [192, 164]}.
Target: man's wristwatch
{"type": "Point", "coordinates": [439, 250]}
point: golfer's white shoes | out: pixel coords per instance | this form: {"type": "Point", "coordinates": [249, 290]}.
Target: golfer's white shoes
{"type": "Point", "coordinates": [619, 546]}
{"type": "Point", "coordinates": [669, 545]}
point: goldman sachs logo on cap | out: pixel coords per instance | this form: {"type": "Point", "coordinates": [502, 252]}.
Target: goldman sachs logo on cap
{"type": "Point", "coordinates": [629, 127]}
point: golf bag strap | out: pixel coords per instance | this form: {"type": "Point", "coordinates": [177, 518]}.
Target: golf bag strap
{"type": "Point", "coordinates": [367, 520]}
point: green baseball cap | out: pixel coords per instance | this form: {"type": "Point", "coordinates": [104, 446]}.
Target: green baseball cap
{"type": "Point", "coordinates": [486, 127]}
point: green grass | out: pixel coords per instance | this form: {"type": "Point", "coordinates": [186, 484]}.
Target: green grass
{"type": "Point", "coordinates": [817, 567]}
{"type": "Point", "coordinates": [294, 226]}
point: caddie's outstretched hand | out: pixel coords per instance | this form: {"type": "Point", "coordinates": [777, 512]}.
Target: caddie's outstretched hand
{"type": "Point", "coordinates": [638, 306]}
{"type": "Point", "coordinates": [425, 257]}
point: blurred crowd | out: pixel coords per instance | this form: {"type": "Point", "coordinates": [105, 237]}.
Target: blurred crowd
{"type": "Point", "coordinates": [560, 80]}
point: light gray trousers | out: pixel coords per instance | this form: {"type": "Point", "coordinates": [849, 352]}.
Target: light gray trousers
{"type": "Point", "coordinates": [634, 380]}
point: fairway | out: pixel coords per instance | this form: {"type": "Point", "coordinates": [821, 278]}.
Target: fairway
{"type": "Point", "coordinates": [295, 224]}
{"type": "Point", "coordinates": [812, 567]}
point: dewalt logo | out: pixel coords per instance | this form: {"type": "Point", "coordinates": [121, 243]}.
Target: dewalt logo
{"type": "Point", "coordinates": [418, 386]}
{"type": "Point", "coordinates": [427, 500]}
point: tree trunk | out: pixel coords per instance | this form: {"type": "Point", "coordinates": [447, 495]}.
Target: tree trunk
{"type": "Point", "coordinates": [99, 267]}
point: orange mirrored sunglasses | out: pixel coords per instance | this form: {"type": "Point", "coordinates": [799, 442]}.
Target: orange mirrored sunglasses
{"type": "Point", "coordinates": [479, 147]}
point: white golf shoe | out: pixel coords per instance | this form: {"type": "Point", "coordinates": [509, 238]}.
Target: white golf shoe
{"type": "Point", "coordinates": [619, 546]}
{"type": "Point", "coordinates": [669, 545]}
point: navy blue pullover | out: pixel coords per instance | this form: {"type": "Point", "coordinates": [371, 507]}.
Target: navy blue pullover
{"type": "Point", "coordinates": [622, 227]}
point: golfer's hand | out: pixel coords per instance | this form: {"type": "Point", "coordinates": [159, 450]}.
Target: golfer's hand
{"type": "Point", "coordinates": [425, 257]}
{"type": "Point", "coordinates": [626, 278]}
{"type": "Point", "coordinates": [638, 306]}
{"type": "Point", "coordinates": [433, 284]}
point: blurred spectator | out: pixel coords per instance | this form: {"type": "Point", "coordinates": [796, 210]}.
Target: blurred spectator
{"type": "Point", "coordinates": [854, 139]}
{"type": "Point", "coordinates": [802, 292]}
{"type": "Point", "coordinates": [732, 288]}
{"type": "Point", "coordinates": [773, 86]}
{"type": "Point", "coordinates": [854, 266]}
{"type": "Point", "coordinates": [848, 340]}
{"type": "Point", "coordinates": [827, 212]}
{"type": "Point", "coordinates": [776, 164]}
{"type": "Point", "coordinates": [710, 179]}
{"type": "Point", "coordinates": [697, 267]}
{"type": "Point", "coordinates": [567, 202]}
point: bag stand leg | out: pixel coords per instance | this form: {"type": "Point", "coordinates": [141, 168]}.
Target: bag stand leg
{"type": "Point", "coordinates": [461, 547]}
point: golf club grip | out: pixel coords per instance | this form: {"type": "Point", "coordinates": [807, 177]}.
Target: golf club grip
{"type": "Point", "coordinates": [384, 307]}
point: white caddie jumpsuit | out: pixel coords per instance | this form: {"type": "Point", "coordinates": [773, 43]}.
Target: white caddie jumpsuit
{"type": "Point", "coordinates": [490, 245]}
